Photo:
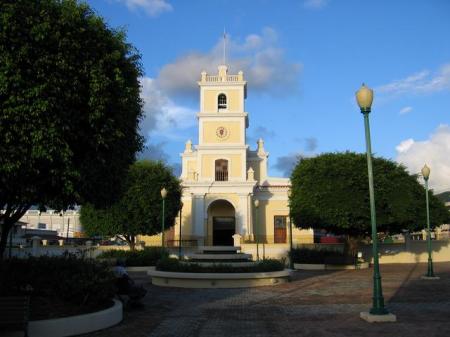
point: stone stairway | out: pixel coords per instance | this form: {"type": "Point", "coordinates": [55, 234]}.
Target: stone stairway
{"type": "Point", "coordinates": [229, 255]}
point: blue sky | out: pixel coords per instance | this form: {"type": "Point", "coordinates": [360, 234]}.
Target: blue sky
{"type": "Point", "coordinates": [303, 60]}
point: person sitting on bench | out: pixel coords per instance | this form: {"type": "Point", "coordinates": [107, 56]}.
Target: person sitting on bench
{"type": "Point", "coordinates": [126, 285]}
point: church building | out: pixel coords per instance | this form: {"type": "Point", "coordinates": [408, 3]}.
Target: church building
{"type": "Point", "coordinates": [228, 197]}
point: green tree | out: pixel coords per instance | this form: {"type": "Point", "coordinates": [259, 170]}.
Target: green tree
{"type": "Point", "coordinates": [331, 192]}
{"type": "Point", "coordinates": [139, 210]}
{"type": "Point", "coordinates": [70, 107]}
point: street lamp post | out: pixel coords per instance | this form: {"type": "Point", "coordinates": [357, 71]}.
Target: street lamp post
{"type": "Point", "coordinates": [61, 214]}
{"type": "Point", "coordinates": [179, 236]}
{"type": "Point", "coordinates": [364, 98]}
{"type": "Point", "coordinates": [68, 225]}
{"type": "Point", "coordinates": [426, 175]}
{"type": "Point", "coordinates": [256, 203]}
{"type": "Point", "coordinates": [291, 261]}
{"type": "Point", "coordinates": [163, 196]}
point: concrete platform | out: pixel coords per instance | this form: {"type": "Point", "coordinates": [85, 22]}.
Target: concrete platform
{"type": "Point", "coordinates": [218, 280]}
{"type": "Point", "coordinates": [232, 264]}
{"type": "Point", "coordinates": [368, 317]}
{"type": "Point", "coordinates": [424, 277]}
{"type": "Point", "coordinates": [314, 303]}
{"type": "Point", "coordinates": [205, 249]}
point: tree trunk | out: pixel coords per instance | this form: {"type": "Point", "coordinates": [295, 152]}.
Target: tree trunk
{"type": "Point", "coordinates": [130, 239]}
{"type": "Point", "coordinates": [132, 243]}
{"type": "Point", "coordinates": [10, 217]}
{"type": "Point", "coordinates": [4, 239]}
{"type": "Point", "coordinates": [351, 245]}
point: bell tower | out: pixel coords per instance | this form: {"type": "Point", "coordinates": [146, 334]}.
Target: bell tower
{"type": "Point", "coordinates": [222, 117]}
{"type": "Point", "coordinates": [222, 125]}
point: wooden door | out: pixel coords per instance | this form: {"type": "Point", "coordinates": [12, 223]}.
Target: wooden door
{"type": "Point", "coordinates": [280, 229]}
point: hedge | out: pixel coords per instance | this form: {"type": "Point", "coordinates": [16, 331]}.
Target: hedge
{"type": "Point", "coordinates": [320, 256]}
{"type": "Point", "coordinates": [67, 278]}
{"type": "Point", "coordinates": [146, 257]}
{"type": "Point", "coordinates": [174, 265]}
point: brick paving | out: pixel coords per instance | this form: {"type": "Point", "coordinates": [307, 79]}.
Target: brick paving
{"type": "Point", "coordinates": [315, 303]}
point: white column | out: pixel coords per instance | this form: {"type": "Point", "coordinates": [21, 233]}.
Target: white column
{"type": "Point", "coordinates": [242, 218]}
{"type": "Point", "coordinates": [199, 210]}
{"type": "Point", "coordinates": [250, 215]}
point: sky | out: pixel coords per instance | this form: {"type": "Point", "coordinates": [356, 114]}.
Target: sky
{"type": "Point", "coordinates": [303, 60]}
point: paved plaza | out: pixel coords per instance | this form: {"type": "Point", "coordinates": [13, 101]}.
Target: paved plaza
{"type": "Point", "coordinates": [315, 303]}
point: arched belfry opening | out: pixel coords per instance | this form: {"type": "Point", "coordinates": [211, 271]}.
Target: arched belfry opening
{"type": "Point", "coordinates": [221, 170]}
{"type": "Point", "coordinates": [222, 221]}
{"type": "Point", "coordinates": [222, 102]}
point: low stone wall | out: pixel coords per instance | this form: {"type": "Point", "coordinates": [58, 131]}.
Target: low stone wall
{"type": "Point", "coordinates": [266, 250]}
{"type": "Point", "coordinates": [89, 251]}
{"type": "Point", "coordinates": [411, 251]}
{"type": "Point", "coordinates": [311, 266]}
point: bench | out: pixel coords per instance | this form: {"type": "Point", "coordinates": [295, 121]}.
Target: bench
{"type": "Point", "coordinates": [14, 313]}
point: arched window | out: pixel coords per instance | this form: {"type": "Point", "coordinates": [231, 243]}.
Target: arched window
{"type": "Point", "coordinates": [222, 101]}
{"type": "Point", "coordinates": [221, 170]}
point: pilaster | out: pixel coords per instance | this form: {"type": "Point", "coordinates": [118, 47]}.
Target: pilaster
{"type": "Point", "coordinates": [198, 206]}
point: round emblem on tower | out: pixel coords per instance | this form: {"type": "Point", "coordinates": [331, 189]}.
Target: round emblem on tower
{"type": "Point", "coordinates": [222, 132]}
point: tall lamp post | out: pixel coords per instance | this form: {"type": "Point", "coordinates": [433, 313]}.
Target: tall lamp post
{"type": "Point", "coordinates": [68, 226]}
{"type": "Point", "coordinates": [291, 261]}
{"type": "Point", "coordinates": [179, 235]}
{"type": "Point", "coordinates": [256, 203]}
{"type": "Point", "coordinates": [163, 196]}
{"type": "Point", "coordinates": [378, 312]}
{"type": "Point", "coordinates": [430, 273]}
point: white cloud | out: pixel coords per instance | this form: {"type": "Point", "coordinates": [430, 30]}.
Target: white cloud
{"type": "Point", "coordinates": [405, 110]}
{"type": "Point", "coordinates": [419, 83]}
{"type": "Point", "coordinates": [315, 4]}
{"type": "Point", "coordinates": [258, 56]}
{"type": "Point", "coordinates": [151, 7]}
{"type": "Point", "coordinates": [404, 145]}
{"type": "Point", "coordinates": [435, 152]}
{"type": "Point", "coordinates": [162, 113]}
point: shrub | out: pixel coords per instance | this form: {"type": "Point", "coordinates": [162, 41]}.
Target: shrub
{"type": "Point", "coordinates": [320, 256]}
{"type": "Point", "coordinates": [64, 278]}
{"type": "Point", "coordinates": [146, 257]}
{"type": "Point", "coordinates": [174, 265]}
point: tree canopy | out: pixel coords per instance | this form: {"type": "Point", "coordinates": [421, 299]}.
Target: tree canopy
{"type": "Point", "coordinates": [70, 107]}
{"type": "Point", "coordinates": [139, 209]}
{"type": "Point", "coordinates": [331, 192]}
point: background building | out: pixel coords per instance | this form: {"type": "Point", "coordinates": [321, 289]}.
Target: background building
{"type": "Point", "coordinates": [65, 224]}
{"type": "Point", "coordinates": [222, 177]}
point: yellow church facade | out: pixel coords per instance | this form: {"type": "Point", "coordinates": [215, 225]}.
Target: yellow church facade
{"type": "Point", "coordinates": [228, 197]}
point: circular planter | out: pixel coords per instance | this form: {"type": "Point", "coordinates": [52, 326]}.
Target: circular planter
{"type": "Point", "coordinates": [313, 266]}
{"type": "Point", "coordinates": [217, 280]}
{"type": "Point", "coordinates": [76, 325]}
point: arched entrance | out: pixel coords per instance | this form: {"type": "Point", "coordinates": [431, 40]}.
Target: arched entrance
{"type": "Point", "coordinates": [221, 215]}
